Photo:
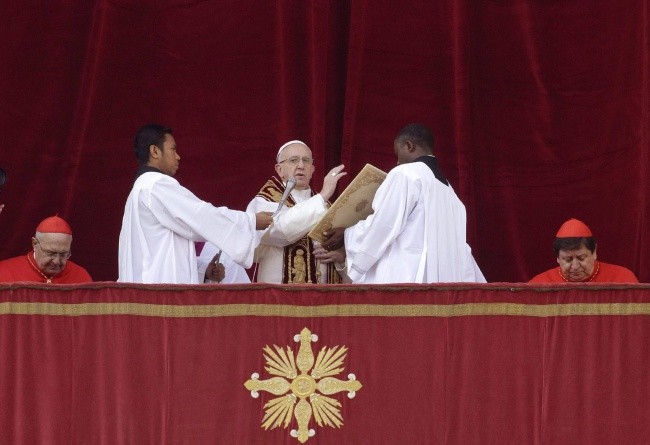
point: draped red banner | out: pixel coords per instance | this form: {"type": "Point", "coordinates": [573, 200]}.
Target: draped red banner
{"type": "Point", "coordinates": [111, 363]}
{"type": "Point", "coordinates": [541, 110]}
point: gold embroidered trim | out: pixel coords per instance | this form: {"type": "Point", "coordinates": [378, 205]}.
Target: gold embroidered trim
{"type": "Point", "coordinates": [48, 280]}
{"type": "Point", "coordinates": [299, 266]}
{"type": "Point", "coordinates": [340, 310]}
{"type": "Point", "coordinates": [272, 191]}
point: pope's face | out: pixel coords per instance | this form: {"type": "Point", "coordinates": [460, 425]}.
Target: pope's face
{"type": "Point", "coordinates": [576, 265]}
{"type": "Point", "coordinates": [51, 252]}
{"type": "Point", "coordinates": [296, 160]}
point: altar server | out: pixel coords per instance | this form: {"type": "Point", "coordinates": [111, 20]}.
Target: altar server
{"type": "Point", "coordinates": [162, 219]}
{"type": "Point", "coordinates": [417, 233]}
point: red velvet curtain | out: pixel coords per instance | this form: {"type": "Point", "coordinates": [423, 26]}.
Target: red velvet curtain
{"type": "Point", "coordinates": [541, 110]}
{"type": "Point", "coordinates": [439, 364]}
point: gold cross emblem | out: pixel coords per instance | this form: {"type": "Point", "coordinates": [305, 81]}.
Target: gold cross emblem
{"type": "Point", "coordinates": [303, 395]}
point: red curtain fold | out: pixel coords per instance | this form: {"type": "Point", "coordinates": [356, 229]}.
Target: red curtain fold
{"type": "Point", "coordinates": [438, 364]}
{"type": "Point", "coordinates": [540, 110]}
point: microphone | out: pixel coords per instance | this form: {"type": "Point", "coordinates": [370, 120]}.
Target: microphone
{"type": "Point", "coordinates": [291, 183]}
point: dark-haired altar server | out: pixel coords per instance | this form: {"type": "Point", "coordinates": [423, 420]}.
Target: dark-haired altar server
{"type": "Point", "coordinates": [162, 219]}
{"type": "Point", "coordinates": [417, 231]}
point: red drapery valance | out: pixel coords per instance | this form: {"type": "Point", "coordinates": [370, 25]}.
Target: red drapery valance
{"type": "Point", "coordinates": [112, 363]}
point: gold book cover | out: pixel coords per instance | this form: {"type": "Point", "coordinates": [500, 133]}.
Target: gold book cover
{"type": "Point", "coordinates": [353, 205]}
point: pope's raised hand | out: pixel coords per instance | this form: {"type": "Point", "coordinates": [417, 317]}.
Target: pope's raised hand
{"type": "Point", "coordinates": [330, 181]}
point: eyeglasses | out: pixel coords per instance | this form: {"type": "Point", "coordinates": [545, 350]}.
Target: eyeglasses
{"type": "Point", "coordinates": [53, 255]}
{"type": "Point", "coordinates": [295, 160]}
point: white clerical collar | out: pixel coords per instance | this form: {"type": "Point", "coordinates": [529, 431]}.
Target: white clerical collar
{"type": "Point", "coordinates": [301, 193]}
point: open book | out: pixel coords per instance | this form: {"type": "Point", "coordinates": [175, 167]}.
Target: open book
{"type": "Point", "coordinates": [353, 205]}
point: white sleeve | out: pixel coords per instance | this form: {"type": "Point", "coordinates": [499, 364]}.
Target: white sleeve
{"type": "Point", "coordinates": [202, 261]}
{"type": "Point", "coordinates": [235, 274]}
{"type": "Point", "coordinates": [179, 210]}
{"type": "Point", "coordinates": [366, 241]}
{"type": "Point", "coordinates": [472, 272]}
{"type": "Point", "coordinates": [292, 223]}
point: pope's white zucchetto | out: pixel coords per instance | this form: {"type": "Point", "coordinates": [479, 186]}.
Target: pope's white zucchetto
{"type": "Point", "coordinates": [285, 145]}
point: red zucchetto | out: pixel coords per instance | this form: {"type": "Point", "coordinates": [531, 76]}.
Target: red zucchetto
{"type": "Point", "coordinates": [54, 224]}
{"type": "Point", "coordinates": [574, 228]}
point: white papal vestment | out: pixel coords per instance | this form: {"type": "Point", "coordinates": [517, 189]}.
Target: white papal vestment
{"type": "Point", "coordinates": [290, 225]}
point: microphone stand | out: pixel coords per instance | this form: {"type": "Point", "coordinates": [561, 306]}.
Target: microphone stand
{"type": "Point", "coordinates": [291, 183]}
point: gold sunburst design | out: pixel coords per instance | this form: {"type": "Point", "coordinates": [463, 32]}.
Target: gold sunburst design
{"type": "Point", "coordinates": [303, 395]}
